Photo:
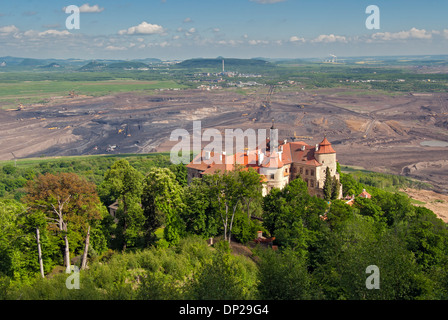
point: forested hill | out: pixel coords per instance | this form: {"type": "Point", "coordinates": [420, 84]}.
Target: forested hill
{"type": "Point", "coordinates": [230, 64]}
{"type": "Point", "coordinates": [98, 66]}
{"type": "Point", "coordinates": [154, 246]}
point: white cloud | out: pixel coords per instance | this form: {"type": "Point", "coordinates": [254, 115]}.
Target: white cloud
{"type": "Point", "coordinates": [413, 33]}
{"type": "Point", "coordinates": [9, 30]}
{"type": "Point", "coordinates": [54, 33]}
{"type": "Point", "coordinates": [86, 8]}
{"type": "Point", "coordinates": [188, 20]}
{"type": "Point", "coordinates": [329, 38]}
{"type": "Point", "coordinates": [143, 28]}
{"type": "Point", "coordinates": [257, 42]}
{"type": "Point", "coordinates": [192, 30]}
{"type": "Point", "coordinates": [230, 42]}
{"type": "Point", "coordinates": [296, 39]}
{"type": "Point", "coordinates": [115, 48]}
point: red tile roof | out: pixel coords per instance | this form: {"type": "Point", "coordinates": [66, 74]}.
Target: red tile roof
{"type": "Point", "coordinates": [325, 147]}
{"type": "Point", "coordinates": [291, 152]}
{"type": "Point", "coordinates": [365, 194]}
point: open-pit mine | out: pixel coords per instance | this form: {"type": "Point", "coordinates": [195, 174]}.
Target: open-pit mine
{"type": "Point", "coordinates": [403, 133]}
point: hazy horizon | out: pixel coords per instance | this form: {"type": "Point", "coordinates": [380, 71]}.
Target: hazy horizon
{"type": "Point", "coordinates": [180, 30]}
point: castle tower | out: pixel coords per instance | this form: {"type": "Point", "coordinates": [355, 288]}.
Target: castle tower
{"type": "Point", "coordinates": [325, 155]}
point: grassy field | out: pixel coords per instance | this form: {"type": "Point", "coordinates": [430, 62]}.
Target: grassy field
{"type": "Point", "coordinates": [28, 92]}
{"type": "Point", "coordinates": [31, 162]}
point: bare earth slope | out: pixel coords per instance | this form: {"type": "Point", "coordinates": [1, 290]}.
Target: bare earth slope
{"type": "Point", "coordinates": [375, 131]}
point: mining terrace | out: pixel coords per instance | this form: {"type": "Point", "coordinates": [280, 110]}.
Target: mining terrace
{"type": "Point", "coordinates": [401, 133]}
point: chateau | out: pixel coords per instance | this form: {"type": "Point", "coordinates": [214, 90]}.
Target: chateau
{"type": "Point", "coordinates": [278, 167]}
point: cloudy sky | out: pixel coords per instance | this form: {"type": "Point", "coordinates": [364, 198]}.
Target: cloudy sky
{"type": "Point", "coordinates": [182, 29]}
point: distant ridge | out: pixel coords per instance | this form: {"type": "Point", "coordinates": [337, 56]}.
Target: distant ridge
{"type": "Point", "coordinates": [230, 63]}
{"type": "Point", "coordinates": [127, 65]}
{"type": "Point", "coordinates": [93, 66]}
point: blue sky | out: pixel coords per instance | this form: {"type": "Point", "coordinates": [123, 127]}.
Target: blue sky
{"type": "Point", "coordinates": [182, 29]}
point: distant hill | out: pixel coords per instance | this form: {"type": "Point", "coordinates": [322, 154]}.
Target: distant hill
{"type": "Point", "coordinates": [11, 61]}
{"type": "Point", "coordinates": [31, 63]}
{"type": "Point", "coordinates": [230, 64]}
{"type": "Point", "coordinates": [52, 65]}
{"type": "Point", "coordinates": [149, 60]}
{"type": "Point", "coordinates": [113, 66]}
{"type": "Point", "coordinates": [93, 66]}
{"type": "Point", "coordinates": [127, 65]}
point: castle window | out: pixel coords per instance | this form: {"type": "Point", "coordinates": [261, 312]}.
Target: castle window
{"type": "Point", "coordinates": [301, 170]}
{"type": "Point", "coordinates": [312, 172]}
{"type": "Point", "coordinates": [272, 176]}
{"type": "Point", "coordinates": [312, 184]}
{"type": "Point", "coordinates": [306, 172]}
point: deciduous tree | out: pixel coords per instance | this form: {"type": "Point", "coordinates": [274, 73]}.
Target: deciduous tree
{"type": "Point", "coordinates": [68, 202]}
{"type": "Point", "coordinates": [123, 183]}
{"type": "Point", "coordinates": [162, 202]}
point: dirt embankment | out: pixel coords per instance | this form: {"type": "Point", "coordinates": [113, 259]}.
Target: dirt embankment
{"type": "Point", "coordinates": [436, 202]}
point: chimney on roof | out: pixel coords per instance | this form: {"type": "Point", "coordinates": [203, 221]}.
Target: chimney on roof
{"type": "Point", "coordinates": [317, 147]}
{"type": "Point", "coordinates": [285, 141]}
{"type": "Point", "coordinates": [303, 148]}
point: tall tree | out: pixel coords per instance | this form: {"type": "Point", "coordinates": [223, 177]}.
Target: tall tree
{"type": "Point", "coordinates": [328, 185]}
{"type": "Point", "coordinates": [162, 202]}
{"type": "Point", "coordinates": [288, 213]}
{"type": "Point", "coordinates": [39, 253]}
{"type": "Point", "coordinates": [335, 188]}
{"type": "Point", "coordinates": [230, 190]}
{"type": "Point", "coordinates": [199, 214]}
{"type": "Point", "coordinates": [86, 250]}
{"type": "Point", "coordinates": [123, 183]}
{"type": "Point", "coordinates": [10, 211]}
{"type": "Point", "coordinates": [65, 199]}
{"type": "Point", "coordinates": [251, 189]}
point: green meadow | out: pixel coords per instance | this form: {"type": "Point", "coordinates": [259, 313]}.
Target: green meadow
{"type": "Point", "coordinates": [28, 92]}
